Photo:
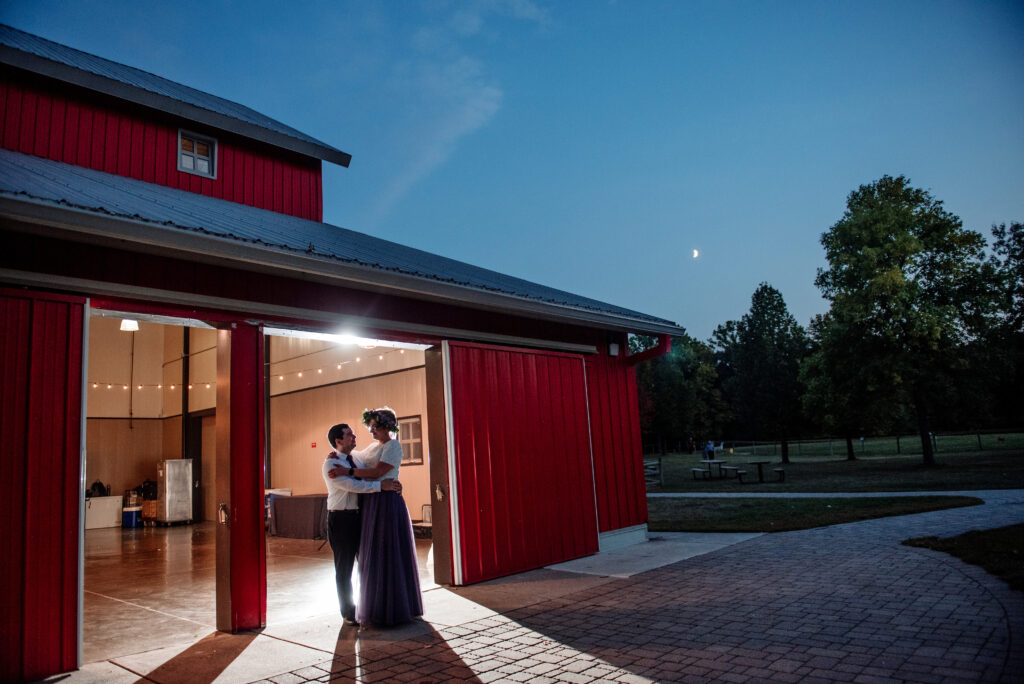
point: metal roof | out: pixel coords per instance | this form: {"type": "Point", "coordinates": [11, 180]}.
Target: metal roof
{"type": "Point", "coordinates": [175, 220]}
{"type": "Point", "coordinates": [45, 57]}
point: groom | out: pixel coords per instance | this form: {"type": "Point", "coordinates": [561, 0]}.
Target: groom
{"type": "Point", "coordinates": [343, 521]}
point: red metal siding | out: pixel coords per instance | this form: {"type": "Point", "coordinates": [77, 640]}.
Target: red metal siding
{"type": "Point", "coordinates": [96, 134]}
{"type": "Point", "coordinates": [618, 453]}
{"type": "Point", "coordinates": [248, 541]}
{"type": "Point", "coordinates": [40, 424]}
{"type": "Point", "coordinates": [522, 459]}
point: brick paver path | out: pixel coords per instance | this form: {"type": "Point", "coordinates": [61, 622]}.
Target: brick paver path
{"type": "Point", "coordinates": [846, 603]}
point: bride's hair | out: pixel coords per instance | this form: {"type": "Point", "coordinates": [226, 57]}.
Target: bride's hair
{"type": "Point", "coordinates": [384, 417]}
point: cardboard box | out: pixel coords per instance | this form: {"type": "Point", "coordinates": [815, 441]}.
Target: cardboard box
{"type": "Point", "coordinates": [149, 510]}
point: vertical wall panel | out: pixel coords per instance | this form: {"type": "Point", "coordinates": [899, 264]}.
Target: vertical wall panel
{"type": "Point", "coordinates": [621, 491]}
{"type": "Point", "coordinates": [100, 136]}
{"type": "Point", "coordinates": [40, 358]}
{"type": "Point", "coordinates": [522, 459]}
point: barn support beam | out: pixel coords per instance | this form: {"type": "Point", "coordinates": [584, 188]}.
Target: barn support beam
{"type": "Point", "coordinates": [241, 543]}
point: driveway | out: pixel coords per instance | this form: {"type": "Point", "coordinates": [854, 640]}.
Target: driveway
{"type": "Point", "coordinates": [846, 603]}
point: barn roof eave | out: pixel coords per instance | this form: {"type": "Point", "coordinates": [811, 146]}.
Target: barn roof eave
{"type": "Point", "coordinates": [77, 223]}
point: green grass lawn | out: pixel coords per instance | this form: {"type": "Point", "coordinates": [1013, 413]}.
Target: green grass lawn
{"type": "Point", "coordinates": [1000, 551]}
{"type": "Point", "coordinates": [969, 470]}
{"type": "Point", "coordinates": [906, 445]}
{"type": "Point", "coordinates": [782, 514]}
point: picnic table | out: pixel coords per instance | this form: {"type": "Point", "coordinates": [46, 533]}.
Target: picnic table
{"type": "Point", "coordinates": [715, 461]}
{"type": "Point", "coordinates": [760, 471]}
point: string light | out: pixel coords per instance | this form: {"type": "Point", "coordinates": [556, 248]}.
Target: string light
{"type": "Point", "coordinates": [208, 385]}
{"type": "Point", "coordinates": [143, 387]}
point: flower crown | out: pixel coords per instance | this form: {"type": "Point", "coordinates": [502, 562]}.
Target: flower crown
{"type": "Point", "coordinates": [384, 417]}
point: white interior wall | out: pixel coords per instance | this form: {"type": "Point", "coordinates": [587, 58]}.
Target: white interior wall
{"type": "Point", "coordinates": [337, 382]}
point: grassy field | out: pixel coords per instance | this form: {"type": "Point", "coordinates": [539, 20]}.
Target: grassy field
{"type": "Point", "coordinates": [779, 515]}
{"type": "Point", "coordinates": [1000, 551]}
{"type": "Point", "coordinates": [969, 470]}
{"type": "Point", "coordinates": [886, 446]}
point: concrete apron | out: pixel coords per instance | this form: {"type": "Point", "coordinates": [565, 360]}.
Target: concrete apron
{"type": "Point", "coordinates": [220, 657]}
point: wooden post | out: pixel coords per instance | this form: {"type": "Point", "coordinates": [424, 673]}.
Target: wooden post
{"type": "Point", "coordinates": [241, 542]}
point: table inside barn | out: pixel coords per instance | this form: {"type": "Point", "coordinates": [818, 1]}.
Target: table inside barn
{"type": "Point", "coordinates": [303, 516]}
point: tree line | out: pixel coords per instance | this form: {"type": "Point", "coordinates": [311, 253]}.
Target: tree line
{"type": "Point", "coordinates": [925, 332]}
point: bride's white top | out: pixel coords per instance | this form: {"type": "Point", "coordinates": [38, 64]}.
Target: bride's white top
{"type": "Point", "coordinates": [390, 452]}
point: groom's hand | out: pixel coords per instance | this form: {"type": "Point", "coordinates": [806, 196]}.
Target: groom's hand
{"type": "Point", "coordinates": [391, 486]}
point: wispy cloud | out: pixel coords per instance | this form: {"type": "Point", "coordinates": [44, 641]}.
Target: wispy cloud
{"type": "Point", "coordinates": [444, 91]}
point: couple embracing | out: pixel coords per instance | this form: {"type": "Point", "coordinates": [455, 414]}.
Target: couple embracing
{"type": "Point", "coordinates": [367, 519]}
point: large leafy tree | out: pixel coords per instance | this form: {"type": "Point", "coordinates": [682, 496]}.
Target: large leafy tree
{"type": "Point", "coordinates": [679, 399]}
{"type": "Point", "coordinates": [908, 292]}
{"type": "Point", "coordinates": [844, 384]}
{"type": "Point", "coordinates": [1004, 346]}
{"type": "Point", "coordinates": [758, 360]}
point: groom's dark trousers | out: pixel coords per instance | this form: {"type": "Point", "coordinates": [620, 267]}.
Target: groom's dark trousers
{"type": "Point", "coordinates": [343, 528]}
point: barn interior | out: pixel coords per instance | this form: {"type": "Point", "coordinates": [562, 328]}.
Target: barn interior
{"type": "Point", "coordinates": [149, 567]}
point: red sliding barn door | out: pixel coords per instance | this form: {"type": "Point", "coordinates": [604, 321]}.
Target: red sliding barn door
{"type": "Point", "coordinates": [41, 468]}
{"type": "Point", "coordinates": [520, 466]}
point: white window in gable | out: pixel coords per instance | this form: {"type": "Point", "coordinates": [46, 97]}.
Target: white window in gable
{"type": "Point", "coordinates": [197, 154]}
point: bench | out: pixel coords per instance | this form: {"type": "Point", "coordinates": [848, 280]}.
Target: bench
{"type": "Point", "coordinates": [740, 474]}
{"type": "Point", "coordinates": [781, 473]}
{"type": "Point", "coordinates": [729, 470]}
{"type": "Point", "coordinates": [704, 472]}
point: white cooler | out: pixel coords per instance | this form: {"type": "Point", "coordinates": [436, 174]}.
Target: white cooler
{"type": "Point", "coordinates": [102, 511]}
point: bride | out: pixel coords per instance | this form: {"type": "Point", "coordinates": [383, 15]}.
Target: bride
{"type": "Point", "coordinates": [389, 582]}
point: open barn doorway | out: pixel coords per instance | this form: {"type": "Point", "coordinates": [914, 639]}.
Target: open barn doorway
{"type": "Point", "coordinates": [148, 553]}
{"type": "Point", "coordinates": [314, 381]}
{"type": "Point", "coordinates": [150, 583]}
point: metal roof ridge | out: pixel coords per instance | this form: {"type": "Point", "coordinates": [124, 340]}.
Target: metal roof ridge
{"type": "Point", "coordinates": [231, 111]}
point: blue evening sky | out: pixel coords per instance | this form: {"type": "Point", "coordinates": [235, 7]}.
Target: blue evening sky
{"type": "Point", "coordinates": [592, 146]}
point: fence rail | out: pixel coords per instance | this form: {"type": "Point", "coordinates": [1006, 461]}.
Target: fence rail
{"type": "Point", "coordinates": [894, 445]}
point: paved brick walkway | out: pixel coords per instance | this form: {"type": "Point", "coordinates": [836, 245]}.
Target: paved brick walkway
{"type": "Point", "coordinates": [846, 603]}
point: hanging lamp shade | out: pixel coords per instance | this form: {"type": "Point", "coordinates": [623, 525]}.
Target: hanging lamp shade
{"type": "Point", "coordinates": [129, 325]}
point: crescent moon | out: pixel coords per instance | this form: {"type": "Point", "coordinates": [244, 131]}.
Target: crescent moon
{"type": "Point", "coordinates": [696, 254]}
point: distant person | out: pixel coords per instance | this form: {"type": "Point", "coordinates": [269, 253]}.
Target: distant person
{"type": "Point", "coordinates": [709, 450]}
{"type": "Point", "coordinates": [344, 523]}
{"type": "Point", "coordinates": [690, 446]}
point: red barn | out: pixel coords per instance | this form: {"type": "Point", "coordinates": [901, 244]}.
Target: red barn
{"type": "Point", "coordinates": [125, 195]}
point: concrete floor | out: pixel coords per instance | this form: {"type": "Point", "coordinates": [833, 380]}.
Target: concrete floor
{"type": "Point", "coordinates": [830, 604]}
{"type": "Point", "coordinates": [154, 587]}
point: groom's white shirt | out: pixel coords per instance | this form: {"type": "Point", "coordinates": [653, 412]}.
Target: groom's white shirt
{"type": "Point", "coordinates": [343, 491]}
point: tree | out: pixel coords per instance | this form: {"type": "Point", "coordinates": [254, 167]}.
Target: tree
{"type": "Point", "coordinates": [758, 361]}
{"type": "Point", "coordinates": [1004, 346]}
{"type": "Point", "coordinates": [679, 399]}
{"type": "Point", "coordinates": [1008, 262]}
{"type": "Point", "coordinates": [908, 291]}
{"type": "Point", "coordinates": [843, 394]}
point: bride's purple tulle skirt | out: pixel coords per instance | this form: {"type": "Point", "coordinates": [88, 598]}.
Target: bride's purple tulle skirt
{"type": "Point", "coordinates": [389, 580]}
